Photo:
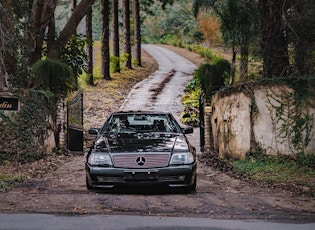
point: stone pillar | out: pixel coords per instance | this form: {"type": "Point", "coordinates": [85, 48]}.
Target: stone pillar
{"type": "Point", "coordinates": [61, 123]}
{"type": "Point", "coordinates": [207, 117]}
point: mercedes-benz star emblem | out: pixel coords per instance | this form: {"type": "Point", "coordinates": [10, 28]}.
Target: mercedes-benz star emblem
{"type": "Point", "coordinates": [140, 161]}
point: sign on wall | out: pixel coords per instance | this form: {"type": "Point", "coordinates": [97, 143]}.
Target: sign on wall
{"type": "Point", "coordinates": [9, 104]}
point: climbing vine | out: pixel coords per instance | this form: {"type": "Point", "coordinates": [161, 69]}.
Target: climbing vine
{"type": "Point", "coordinates": [23, 134]}
{"type": "Point", "coordinates": [291, 120]}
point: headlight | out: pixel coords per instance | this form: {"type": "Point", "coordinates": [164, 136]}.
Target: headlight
{"type": "Point", "coordinates": [182, 158]}
{"type": "Point", "coordinates": [180, 144]}
{"type": "Point", "coordinates": [99, 158]}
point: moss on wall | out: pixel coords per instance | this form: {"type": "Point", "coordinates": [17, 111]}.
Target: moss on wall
{"type": "Point", "coordinates": [23, 133]}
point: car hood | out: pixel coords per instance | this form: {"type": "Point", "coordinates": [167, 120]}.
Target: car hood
{"type": "Point", "coordinates": [120, 142]}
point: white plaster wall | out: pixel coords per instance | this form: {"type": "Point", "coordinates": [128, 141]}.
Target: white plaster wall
{"type": "Point", "coordinates": [50, 142]}
{"type": "Point", "coordinates": [232, 138]}
{"type": "Point", "coordinates": [264, 127]}
{"type": "Point", "coordinates": [231, 125]}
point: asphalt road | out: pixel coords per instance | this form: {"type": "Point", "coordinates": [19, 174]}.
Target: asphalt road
{"type": "Point", "coordinates": [122, 222]}
{"type": "Point", "coordinates": [218, 196]}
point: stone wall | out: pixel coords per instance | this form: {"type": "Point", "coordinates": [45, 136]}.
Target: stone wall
{"type": "Point", "coordinates": [27, 132]}
{"type": "Point", "coordinates": [267, 117]}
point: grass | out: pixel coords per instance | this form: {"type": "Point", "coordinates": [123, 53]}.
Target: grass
{"type": "Point", "coordinates": [8, 181]}
{"type": "Point", "coordinates": [279, 170]}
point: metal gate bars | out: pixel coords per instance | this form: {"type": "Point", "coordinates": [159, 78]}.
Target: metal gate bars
{"type": "Point", "coordinates": [75, 123]}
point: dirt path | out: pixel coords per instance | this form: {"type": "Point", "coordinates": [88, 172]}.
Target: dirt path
{"type": "Point", "coordinates": [218, 195]}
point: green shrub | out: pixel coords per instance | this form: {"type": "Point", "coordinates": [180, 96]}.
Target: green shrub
{"type": "Point", "coordinates": [114, 64]}
{"type": "Point", "coordinates": [305, 160]}
{"type": "Point", "coordinates": [74, 54]}
{"type": "Point", "coordinates": [213, 76]}
{"type": "Point", "coordinates": [190, 114]}
{"type": "Point", "coordinates": [134, 62]}
{"type": "Point", "coordinates": [180, 44]}
{"type": "Point", "coordinates": [8, 181]}
{"type": "Point", "coordinates": [123, 60]}
{"type": "Point", "coordinates": [193, 84]}
{"type": "Point", "coordinates": [191, 119]}
{"type": "Point", "coordinates": [54, 76]}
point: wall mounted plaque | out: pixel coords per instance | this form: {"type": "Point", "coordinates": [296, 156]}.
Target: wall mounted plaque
{"type": "Point", "coordinates": [9, 104]}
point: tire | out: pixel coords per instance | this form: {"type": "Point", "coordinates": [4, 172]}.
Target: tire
{"type": "Point", "coordinates": [88, 186]}
{"type": "Point", "coordinates": [192, 188]}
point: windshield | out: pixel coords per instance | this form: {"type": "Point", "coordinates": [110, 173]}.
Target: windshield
{"type": "Point", "coordinates": [142, 123]}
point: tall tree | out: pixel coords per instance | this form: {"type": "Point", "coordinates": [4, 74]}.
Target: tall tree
{"type": "Point", "coordinates": [274, 43]}
{"type": "Point", "coordinates": [89, 47]}
{"type": "Point", "coordinates": [32, 24]}
{"type": "Point", "coordinates": [70, 27]}
{"type": "Point", "coordinates": [239, 21]}
{"type": "Point", "coordinates": [43, 17]}
{"type": "Point", "coordinates": [105, 41]}
{"type": "Point", "coordinates": [209, 26]}
{"type": "Point", "coordinates": [127, 36]}
{"type": "Point", "coordinates": [7, 48]}
{"type": "Point", "coordinates": [116, 50]}
{"type": "Point", "coordinates": [73, 5]}
{"type": "Point", "coordinates": [301, 30]}
{"type": "Point", "coordinates": [137, 31]}
{"type": "Point", "coordinates": [239, 27]}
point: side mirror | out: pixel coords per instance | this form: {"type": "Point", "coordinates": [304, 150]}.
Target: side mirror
{"type": "Point", "coordinates": [94, 131]}
{"type": "Point", "coordinates": [188, 130]}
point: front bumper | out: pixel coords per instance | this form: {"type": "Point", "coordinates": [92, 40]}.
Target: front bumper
{"type": "Point", "coordinates": [172, 176]}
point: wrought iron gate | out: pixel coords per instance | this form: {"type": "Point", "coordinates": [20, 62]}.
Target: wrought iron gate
{"type": "Point", "coordinates": [75, 123]}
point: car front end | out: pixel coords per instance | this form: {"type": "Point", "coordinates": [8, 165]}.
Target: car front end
{"type": "Point", "coordinates": [141, 155]}
{"type": "Point", "coordinates": [157, 168]}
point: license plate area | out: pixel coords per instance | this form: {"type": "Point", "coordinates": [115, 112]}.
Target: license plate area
{"type": "Point", "coordinates": [140, 175]}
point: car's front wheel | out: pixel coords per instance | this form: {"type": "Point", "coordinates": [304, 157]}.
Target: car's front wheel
{"type": "Point", "coordinates": [88, 186]}
{"type": "Point", "coordinates": [192, 188]}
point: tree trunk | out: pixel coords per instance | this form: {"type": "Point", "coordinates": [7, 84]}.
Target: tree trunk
{"type": "Point", "coordinates": [301, 18]}
{"type": "Point", "coordinates": [105, 40]}
{"type": "Point", "coordinates": [51, 34]}
{"type": "Point", "coordinates": [127, 41]}
{"type": "Point", "coordinates": [43, 16]}
{"type": "Point", "coordinates": [233, 69]}
{"type": "Point", "coordinates": [73, 5]}
{"type": "Point", "coordinates": [304, 50]}
{"type": "Point", "coordinates": [137, 28]}
{"type": "Point", "coordinates": [7, 59]}
{"type": "Point", "coordinates": [70, 28]}
{"type": "Point", "coordinates": [116, 35]}
{"type": "Point", "coordinates": [274, 44]}
{"type": "Point", "coordinates": [244, 63]}
{"type": "Point", "coordinates": [89, 47]}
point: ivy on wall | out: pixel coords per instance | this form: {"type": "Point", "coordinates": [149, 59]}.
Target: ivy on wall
{"type": "Point", "coordinates": [291, 119]}
{"type": "Point", "coordinates": [23, 133]}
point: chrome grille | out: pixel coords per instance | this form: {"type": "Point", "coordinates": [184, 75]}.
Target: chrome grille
{"type": "Point", "coordinates": [141, 160]}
